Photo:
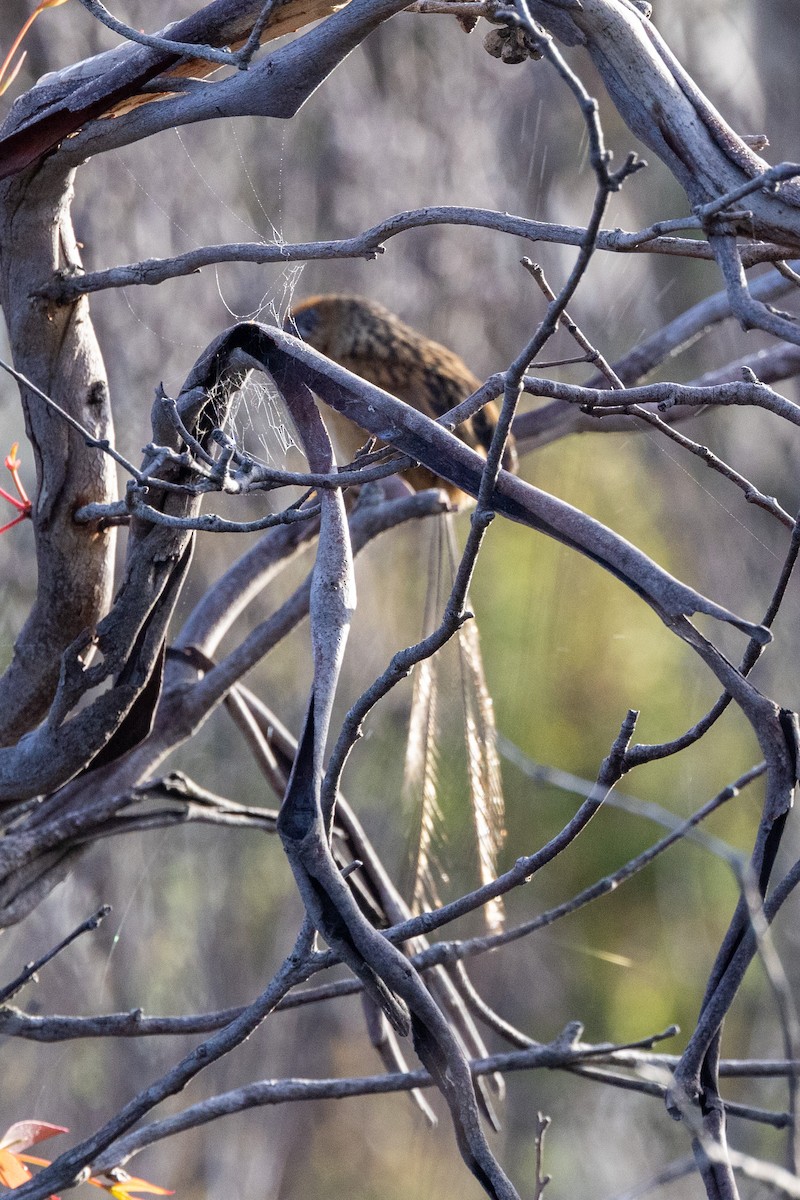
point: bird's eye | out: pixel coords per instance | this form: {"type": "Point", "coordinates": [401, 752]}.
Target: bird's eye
{"type": "Point", "coordinates": [303, 324]}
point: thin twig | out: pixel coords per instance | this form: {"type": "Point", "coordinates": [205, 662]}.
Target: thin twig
{"type": "Point", "coordinates": [30, 971]}
{"type": "Point", "coordinates": [166, 45]}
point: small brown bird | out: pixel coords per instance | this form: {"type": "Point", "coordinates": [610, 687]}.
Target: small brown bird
{"type": "Point", "coordinates": [369, 340]}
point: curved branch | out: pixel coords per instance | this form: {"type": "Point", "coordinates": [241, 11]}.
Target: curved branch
{"type": "Point", "coordinates": [430, 444]}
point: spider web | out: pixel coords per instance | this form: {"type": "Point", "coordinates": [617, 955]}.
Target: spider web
{"type": "Point", "coordinates": [258, 422]}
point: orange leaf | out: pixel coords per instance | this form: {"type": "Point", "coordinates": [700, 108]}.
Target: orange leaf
{"type": "Point", "coordinates": [40, 1162]}
{"type": "Point", "coordinates": [12, 1171]}
{"type": "Point", "coordinates": [23, 1134]}
{"type": "Point", "coordinates": [12, 458]}
{"type": "Point", "coordinates": [5, 79]}
{"type": "Point", "coordinates": [19, 1137]}
{"type": "Point", "coordinates": [125, 1191]}
{"type": "Point", "coordinates": [23, 504]}
{"type": "Point", "coordinates": [121, 1185]}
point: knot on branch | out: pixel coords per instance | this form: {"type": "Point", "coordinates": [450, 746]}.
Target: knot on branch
{"type": "Point", "coordinates": [511, 44]}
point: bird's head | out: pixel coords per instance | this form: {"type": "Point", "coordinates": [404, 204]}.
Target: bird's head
{"type": "Point", "coordinates": [303, 320]}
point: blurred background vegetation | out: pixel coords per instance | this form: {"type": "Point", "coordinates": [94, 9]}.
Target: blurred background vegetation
{"type": "Point", "coordinates": [421, 115]}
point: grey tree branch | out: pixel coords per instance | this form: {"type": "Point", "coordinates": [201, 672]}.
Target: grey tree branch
{"type": "Point", "coordinates": [369, 244]}
{"type": "Point", "coordinates": [68, 1168]}
{"type": "Point", "coordinates": [85, 684]}
{"type": "Point", "coordinates": [565, 1051]}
